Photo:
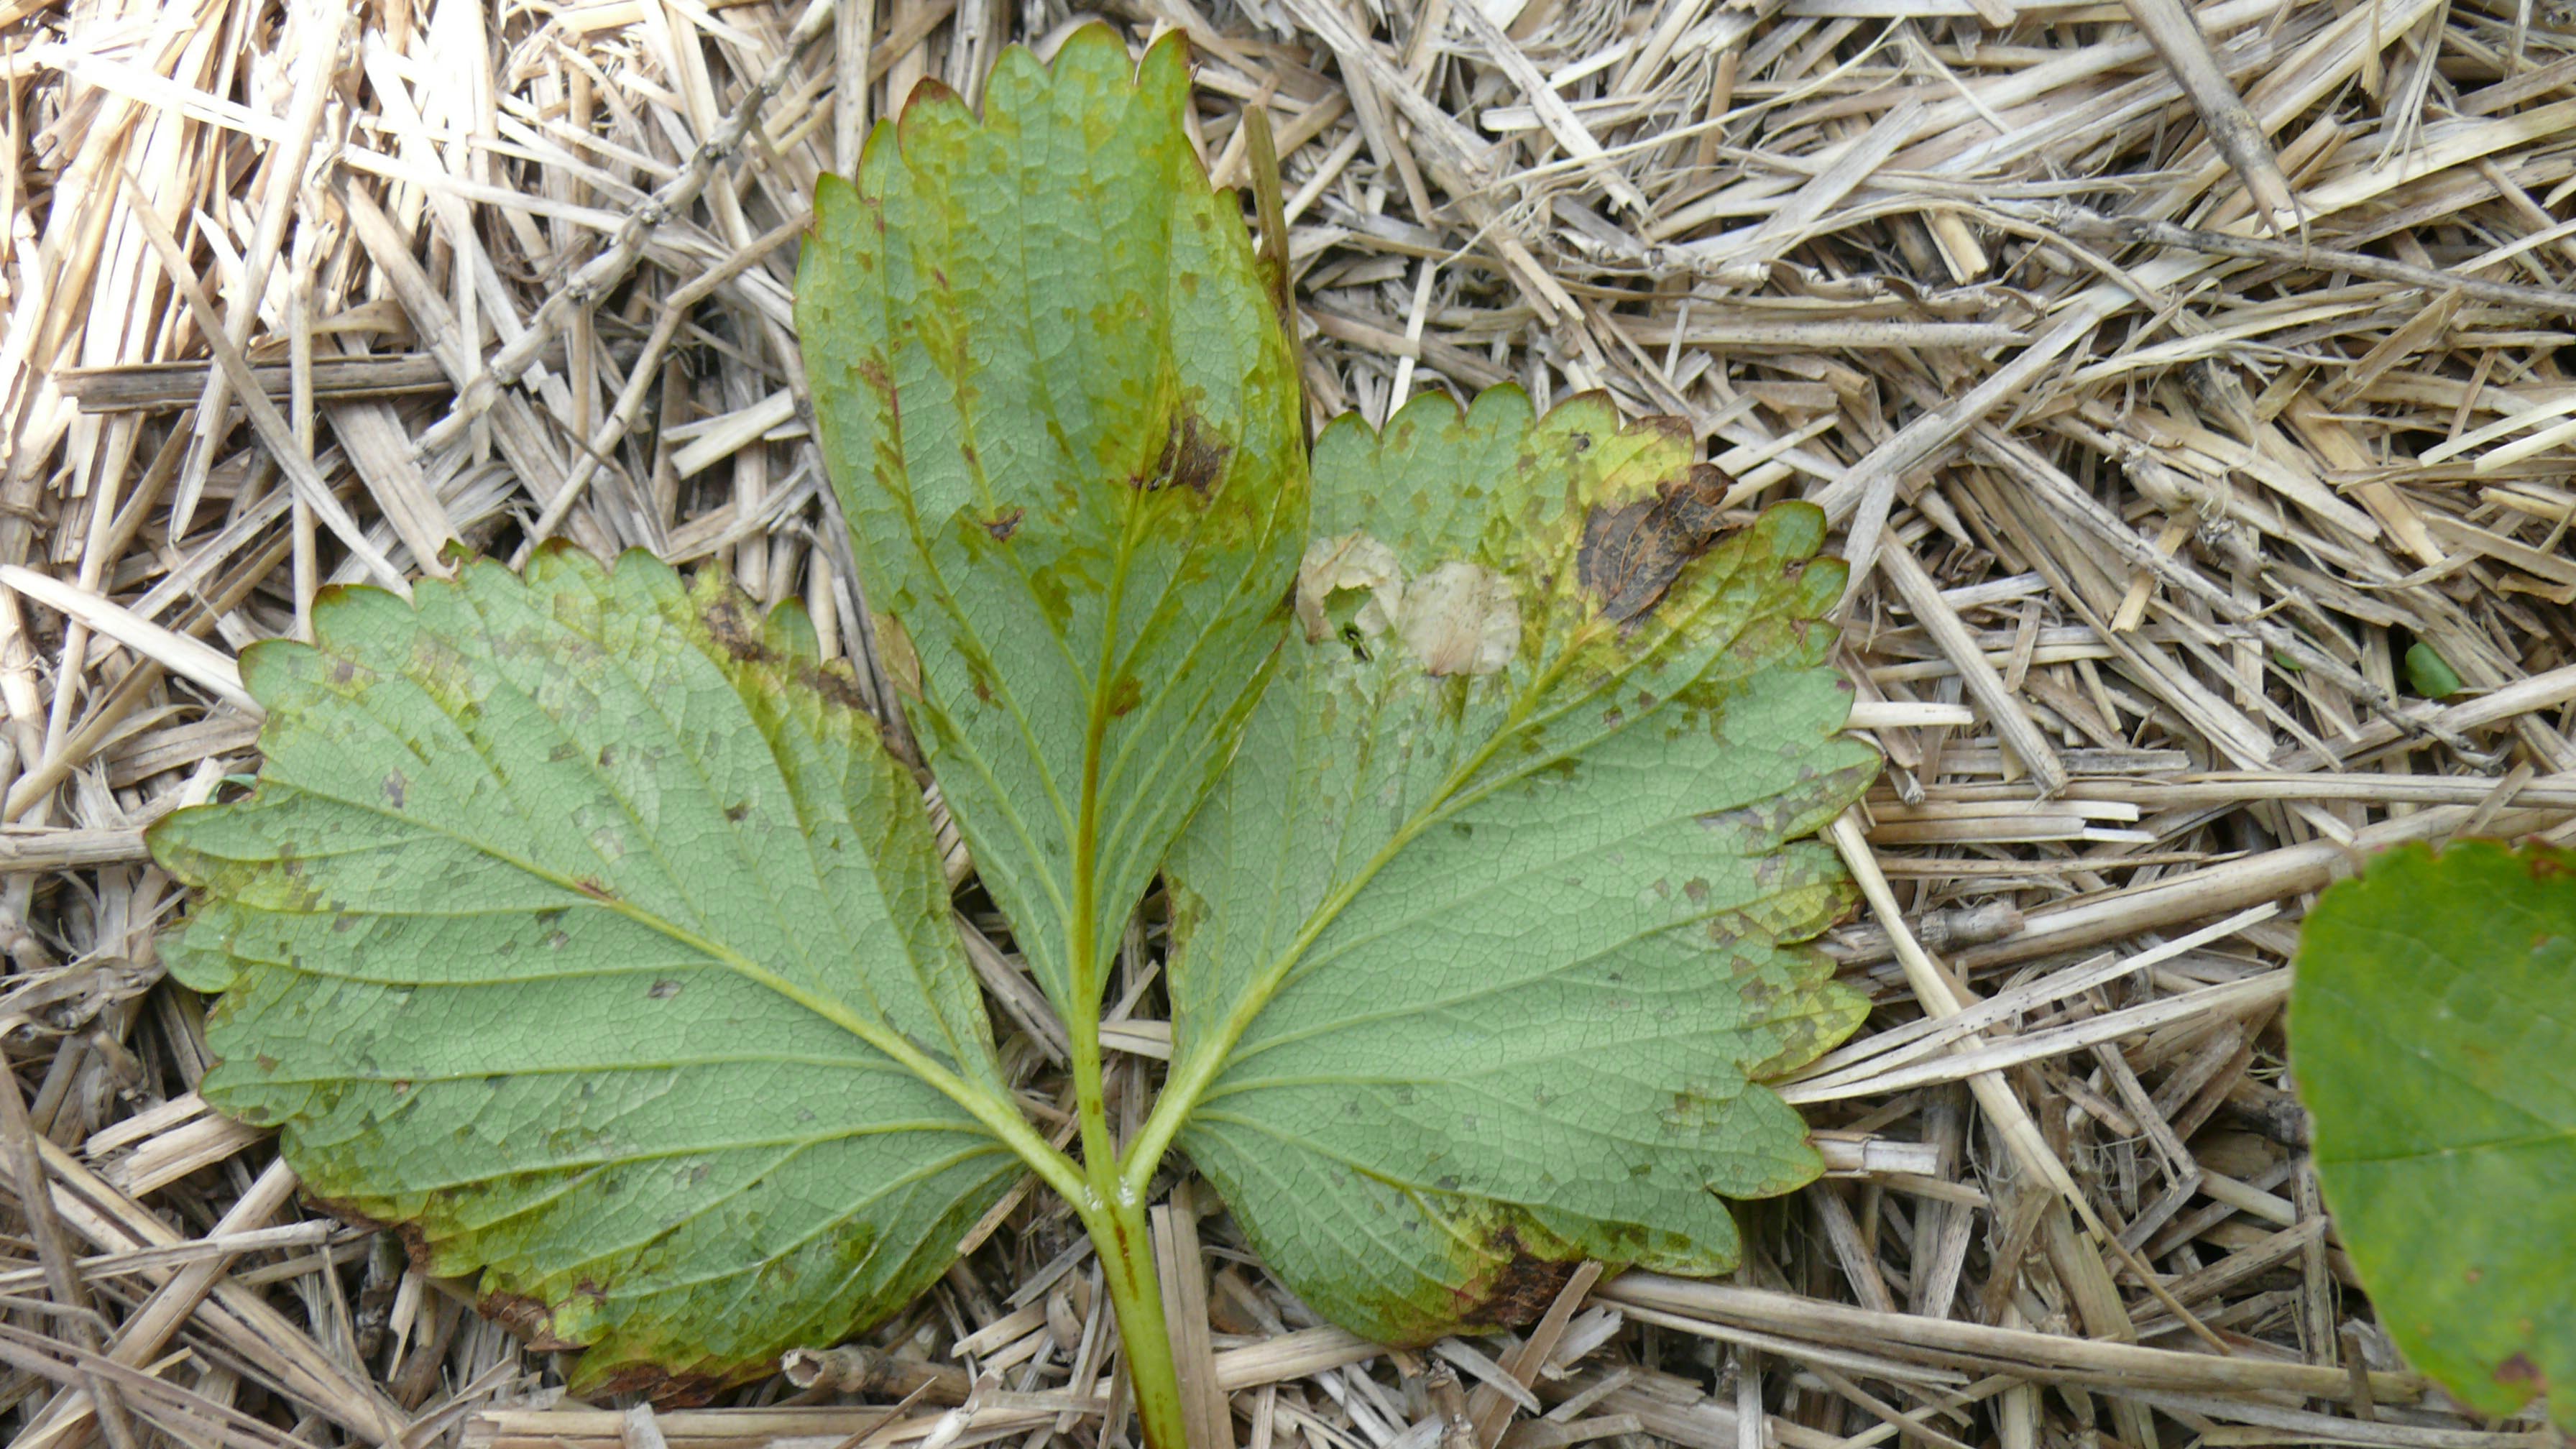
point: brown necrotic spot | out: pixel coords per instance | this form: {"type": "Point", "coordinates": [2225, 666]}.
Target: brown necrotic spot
{"type": "Point", "coordinates": [666, 1390]}
{"type": "Point", "coordinates": [1192, 458]}
{"type": "Point", "coordinates": [529, 1318]}
{"type": "Point", "coordinates": [2521, 1372]}
{"type": "Point", "coordinates": [1631, 554]}
{"type": "Point", "coordinates": [1517, 1291]}
{"type": "Point", "coordinates": [836, 683]}
{"type": "Point", "coordinates": [734, 630]}
{"type": "Point", "coordinates": [1003, 524]}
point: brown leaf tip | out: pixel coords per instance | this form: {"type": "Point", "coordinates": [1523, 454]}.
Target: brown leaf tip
{"type": "Point", "coordinates": [1631, 554]}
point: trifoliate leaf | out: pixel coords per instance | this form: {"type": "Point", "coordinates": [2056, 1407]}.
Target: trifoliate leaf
{"type": "Point", "coordinates": [1487, 934]}
{"type": "Point", "coordinates": [585, 928]}
{"type": "Point", "coordinates": [1062, 422]}
{"type": "Point", "coordinates": [2433, 1036]}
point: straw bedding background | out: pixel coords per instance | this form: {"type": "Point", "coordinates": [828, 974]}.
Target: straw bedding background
{"type": "Point", "coordinates": [2173, 378]}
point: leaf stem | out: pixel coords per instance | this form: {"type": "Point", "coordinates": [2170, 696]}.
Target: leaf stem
{"type": "Point", "coordinates": [1126, 1248]}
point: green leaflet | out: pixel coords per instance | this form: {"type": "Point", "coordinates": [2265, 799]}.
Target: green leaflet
{"type": "Point", "coordinates": [1497, 891]}
{"type": "Point", "coordinates": [2433, 1032]}
{"type": "Point", "coordinates": [1067, 439]}
{"type": "Point", "coordinates": [554, 929]}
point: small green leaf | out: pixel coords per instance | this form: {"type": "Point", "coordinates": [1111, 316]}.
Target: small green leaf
{"type": "Point", "coordinates": [1063, 426]}
{"type": "Point", "coordinates": [2433, 1034]}
{"type": "Point", "coordinates": [2431, 674]}
{"type": "Point", "coordinates": [585, 926]}
{"type": "Point", "coordinates": [1485, 937]}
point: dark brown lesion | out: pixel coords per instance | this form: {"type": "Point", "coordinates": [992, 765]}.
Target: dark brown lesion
{"type": "Point", "coordinates": [1632, 554]}
{"type": "Point", "coordinates": [735, 630]}
{"type": "Point", "coordinates": [1192, 457]}
{"type": "Point", "coordinates": [1518, 1290]}
{"type": "Point", "coordinates": [666, 1390]}
{"type": "Point", "coordinates": [836, 683]}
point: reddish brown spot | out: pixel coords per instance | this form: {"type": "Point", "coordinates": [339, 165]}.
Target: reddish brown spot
{"type": "Point", "coordinates": [874, 374]}
{"type": "Point", "coordinates": [2548, 864]}
{"type": "Point", "coordinates": [1190, 459]}
{"type": "Point", "coordinates": [2521, 1372]}
{"type": "Point", "coordinates": [1632, 554]}
{"type": "Point", "coordinates": [1003, 524]}
{"type": "Point", "coordinates": [1125, 695]}
{"type": "Point", "coordinates": [595, 890]}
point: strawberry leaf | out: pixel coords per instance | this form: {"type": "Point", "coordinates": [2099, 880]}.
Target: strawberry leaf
{"type": "Point", "coordinates": [1485, 938]}
{"type": "Point", "coordinates": [1068, 441]}
{"type": "Point", "coordinates": [585, 926]}
{"type": "Point", "coordinates": [2433, 1033]}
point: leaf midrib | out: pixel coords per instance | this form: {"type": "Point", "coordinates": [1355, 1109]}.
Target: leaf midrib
{"type": "Point", "coordinates": [1453, 794]}
{"type": "Point", "coordinates": [985, 1108]}
{"type": "Point", "coordinates": [1193, 1077]}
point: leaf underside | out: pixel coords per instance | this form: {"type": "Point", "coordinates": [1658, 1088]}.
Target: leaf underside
{"type": "Point", "coordinates": [1508, 854]}
{"type": "Point", "coordinates": [584, 927]}
{"type": "Point", "coordinates": [547, 933]}
{"type": "Point", "coordinates": [1067, 438]}
{"type": "Point", "coordinates": [2433, 1033]}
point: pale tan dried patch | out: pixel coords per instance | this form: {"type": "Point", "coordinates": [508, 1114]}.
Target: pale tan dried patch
{"type": "Point", "coordinates": [1352, 561]}
{"type": "Point", "coordinates": [894, 650]}
{"type": "Point", "coordinates": [1460, 619]}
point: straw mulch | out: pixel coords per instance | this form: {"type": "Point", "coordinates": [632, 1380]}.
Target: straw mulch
{"type": "Point", "coordinates": [2170, 382]}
